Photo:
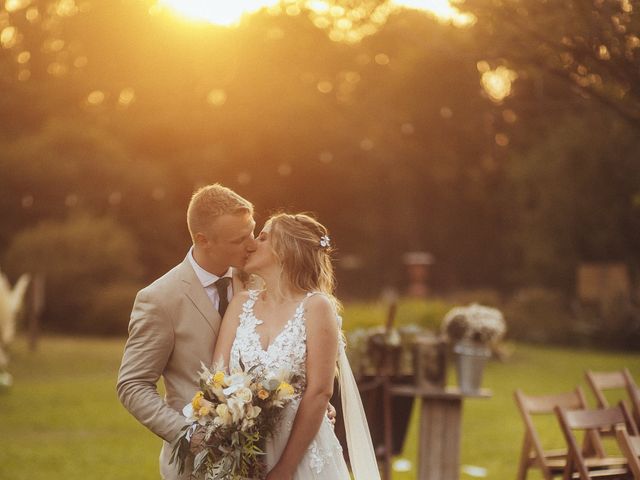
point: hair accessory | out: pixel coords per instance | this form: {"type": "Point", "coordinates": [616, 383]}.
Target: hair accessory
{"type": "Point", "coordinates": [325, 241]}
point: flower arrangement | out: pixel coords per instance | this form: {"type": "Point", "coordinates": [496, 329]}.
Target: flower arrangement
{"type": "Point", "coordinates": [366, 345]}
{"type": "Point", "coordinates": [474, 323]}
{"type": "Point", "coordinates": [237, 412]}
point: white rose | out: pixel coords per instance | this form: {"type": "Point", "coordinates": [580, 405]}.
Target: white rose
{"type": "Point", "coordinates": [224, 416]}
{"type": "Point", "coordinates": [236, 408]}
{"type": "Point", "coordinates": [244, 394]}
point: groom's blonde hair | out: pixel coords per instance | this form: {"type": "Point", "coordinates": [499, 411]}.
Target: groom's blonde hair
{"type": "Point", "coordinates": [212, 201]}
{"type": "Point", "coordinates": [306, 262]}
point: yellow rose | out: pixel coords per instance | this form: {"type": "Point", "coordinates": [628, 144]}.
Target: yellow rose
{"type": "Point", "coordinates": [263, 394]}
{"type": "Point", "coordinates": [195, 403]}
{"type": "Point", "coordinates": [204, 411]}
{"type": "Point", "coordinates": [285, 389]}
{"type": "Point", "coordinates": [218, 378]}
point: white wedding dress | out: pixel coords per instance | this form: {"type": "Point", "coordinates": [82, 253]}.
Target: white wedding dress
{"type": "Point", "coordinates": [288, 351]}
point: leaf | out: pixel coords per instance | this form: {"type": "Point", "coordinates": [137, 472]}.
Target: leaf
{"type": "Point", "coordinates": [180, 449]}
{"type": "Point", "coordinates": [200, 460]}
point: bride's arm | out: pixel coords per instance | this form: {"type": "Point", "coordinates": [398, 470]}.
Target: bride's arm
{"type": "Point", "coordinates": [322, 350]}
{"type": "Point", "coordinates": [228, 328]}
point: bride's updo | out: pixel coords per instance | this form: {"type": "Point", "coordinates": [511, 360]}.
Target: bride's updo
{"type": "Point", "coordinates": [302, 246]}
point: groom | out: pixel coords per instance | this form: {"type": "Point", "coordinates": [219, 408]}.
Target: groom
{"type": "Point", "coordinates": [176, 319]}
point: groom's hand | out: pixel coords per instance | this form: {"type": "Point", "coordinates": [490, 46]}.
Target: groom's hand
{"type": "Point", "coordinates": [331, 414]}
{"type": "Point", "coordinates": [197, 440]}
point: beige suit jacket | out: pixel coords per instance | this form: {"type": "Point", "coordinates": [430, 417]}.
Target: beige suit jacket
{"type": "Point", "coordinates": [173, 328]}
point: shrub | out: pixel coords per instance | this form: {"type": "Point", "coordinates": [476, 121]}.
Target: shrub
{"type": "Point", "coordinates": [613, 324]}
{"type": "Point", "coordinates": [540, 315]}
{"type": "Point", "coordinates": [111, 309]}
{"type": "Point", "coordinates": [80, 258]}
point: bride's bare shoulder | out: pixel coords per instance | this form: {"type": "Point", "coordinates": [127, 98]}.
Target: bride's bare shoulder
{"type": "Point", "coordinates": [320, 309]}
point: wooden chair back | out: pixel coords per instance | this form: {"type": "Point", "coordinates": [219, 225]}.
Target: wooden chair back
{"type": "Point", "coordinates": [634, 396]}
{"type": "Point", "coordinates": [630, 447]}
{"type": "Point", "coordinates": [550, 462]}
{"type": "Point", "coordinates": [593, 420]}
{"type": "Point", "coordinates": [614, 380]}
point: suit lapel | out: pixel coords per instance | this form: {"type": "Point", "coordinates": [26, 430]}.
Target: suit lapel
{"type": "Point", "coordinates": [194, 290]}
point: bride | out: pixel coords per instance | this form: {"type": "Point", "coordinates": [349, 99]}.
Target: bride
{"type": "Point", "coordinates": [292, 324]}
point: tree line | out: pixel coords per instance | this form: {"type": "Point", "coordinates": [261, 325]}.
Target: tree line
{"type": "Point", "coordinates": [391, 141]}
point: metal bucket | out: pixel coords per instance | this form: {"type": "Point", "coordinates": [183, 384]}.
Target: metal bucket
{"type": "Point", "coordinates": [470, 362]}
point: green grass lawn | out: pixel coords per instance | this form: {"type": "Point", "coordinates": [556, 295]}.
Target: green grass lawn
{"type": "Point", "coordinates": [62, 420]}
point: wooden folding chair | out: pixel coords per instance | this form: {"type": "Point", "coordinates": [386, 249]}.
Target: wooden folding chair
{"type": "Point", "coordinates": [577, 465]}
{"type": "Point", "coordinates": [634, 396]}
{"type": "Point", "coordinates": [630, 448]}
{"type": "Point", "coordinates": [615, 380]}
{"type": "Point", "coordinates": [550, 462]}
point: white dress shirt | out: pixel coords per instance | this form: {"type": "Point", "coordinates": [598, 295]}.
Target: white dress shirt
{"type": "Point", "coordinates": [207, 279]}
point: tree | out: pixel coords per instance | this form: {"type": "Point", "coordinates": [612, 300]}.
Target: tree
{"type": "Point", "coordinates": [593, 47]}
{"type": "Point", "coordinates": [575, 199]}
{"type": "Point", "coordinates": [80, 258]}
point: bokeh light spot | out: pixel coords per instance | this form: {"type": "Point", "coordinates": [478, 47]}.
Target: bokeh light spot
{"type": "Point", "coordinates": [325, 86]}
{"type": "Point", "coordinates": [502, 139]}
{"type": "Point", "coordinates": [244, 178]}
{"type": "Point", "coordinates": [96, 97]}
{"type": "Point", "coordinates": [66, 8]}
{"type": "Point", "coordinates": [126, 97]}
{"type": "Point", "coordinates": [407, 128]}
{"type": "Point", "coordinates": [158, 194]}
{"type": "Point", "coordinates": [71, 200]}
{"type": "Point", "coordinates": [27, 201]}
{"type": "Point", "coordinates": [57, 69]}
{"type": "Point", "coordinates": [509, 116]}
{"type": "Point", "coordinates": [23, 57]}
{"type": "Point", "coordinates": [32, 14]}
{"type": "Point", "coordinates": [217, 97]}
{"type": "Point", "coordinates": [284, 169]}
{"type": "Point", "coordinates": [8, 37]}
{"type": "Point", "coordinates": [15, 5]}
{"type": "Point", "coordinates": [497, 83]}
{"type": "Point", "coordinates": [382, 59]}
{"type": "Point", "coordinates": [115, 198]}
{"type": "Point", "coordinates": [366, 144]}
{"type": "Point", "coordinates": [80, 62]}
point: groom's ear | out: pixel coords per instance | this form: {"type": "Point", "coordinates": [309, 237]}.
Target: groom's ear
{"type": "Point", "coordinates": [201, 239]}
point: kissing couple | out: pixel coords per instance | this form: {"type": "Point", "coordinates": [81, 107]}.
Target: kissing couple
{"type": "Point", "coordinates": [206, 310]}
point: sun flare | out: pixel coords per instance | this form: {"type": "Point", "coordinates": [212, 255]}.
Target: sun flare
{"type": "Point", "coordinates": [440, 8]}
{"type": "Point", "coordinates": [217, 12]}
{"type": "Point", "coordinates": [230, 13]}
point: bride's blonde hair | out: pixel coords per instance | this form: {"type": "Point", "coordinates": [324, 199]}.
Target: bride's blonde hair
{"type": "Point", "coordinates": [302, 246]}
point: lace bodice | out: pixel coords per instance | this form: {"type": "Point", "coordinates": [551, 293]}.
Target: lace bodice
{"type": "Point", "coordinates": [287, 352]}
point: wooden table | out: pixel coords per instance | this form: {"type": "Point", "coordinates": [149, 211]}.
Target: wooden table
{"type": "Point", "coordinates": [440, 429]}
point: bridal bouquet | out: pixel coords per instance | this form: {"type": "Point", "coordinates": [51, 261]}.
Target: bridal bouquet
{"type": "Point", "coordinates": [237, 410]}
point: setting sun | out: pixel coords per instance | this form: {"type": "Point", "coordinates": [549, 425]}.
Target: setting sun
{"type": "Point", "coordinates": [216, 12]}
{"type": "Point", "coordinates": [440, 8]}
{"type": "Point", "coordinates": [230, 13]}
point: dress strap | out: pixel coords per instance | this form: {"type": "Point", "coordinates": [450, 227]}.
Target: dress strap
{"type": "Point", "coordinates": [335, 312]}
{"type": "Point", "coordinates": [253, 296]}
{"type": "Point", "coordinates": [300, 309]}
{"type": "Point", "coordinates": [247, 306]}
